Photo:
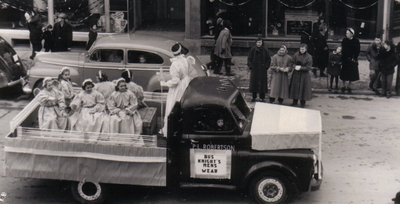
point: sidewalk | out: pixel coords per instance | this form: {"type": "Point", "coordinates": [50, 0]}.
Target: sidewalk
{"type": "Point", "coordinates": [319, 85]}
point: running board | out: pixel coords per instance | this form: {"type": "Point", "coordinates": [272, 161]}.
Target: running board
{"type": "Point", "coordinates": [200, 185]}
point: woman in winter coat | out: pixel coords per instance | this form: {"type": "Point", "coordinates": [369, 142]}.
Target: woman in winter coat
{"type": "Point", "coordinates": [51, 113]}
{"type": "Point", "coordinates": [350, 52]}
{"type": "Point", "coordinates": [387, 62]}
{"type": "Point", "coordinates": [321, 55]}
{"type": "Point", "coordinates": [91, 106]}
{"type": "Point", "coordinates": [281, 65]}
{"type": "Point", "coordinates": [300, 83]}
{"type": "Point", "coordinates": [258, 62]}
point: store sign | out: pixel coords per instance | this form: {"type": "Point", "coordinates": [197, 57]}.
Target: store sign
{"type": "Point", "coordinates": [210, 163]}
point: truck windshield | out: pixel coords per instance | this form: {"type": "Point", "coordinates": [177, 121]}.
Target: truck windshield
{"type": "Point", "coordinates": [240, 110]}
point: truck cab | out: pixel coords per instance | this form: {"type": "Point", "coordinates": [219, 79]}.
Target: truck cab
{"type": "Point", "coordinates": [216, 140]}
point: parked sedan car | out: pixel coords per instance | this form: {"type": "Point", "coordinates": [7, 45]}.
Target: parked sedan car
{"type": "Point", "coordinates": [148, 57]}
{"type": "Point", "coordinates": [12, 71]}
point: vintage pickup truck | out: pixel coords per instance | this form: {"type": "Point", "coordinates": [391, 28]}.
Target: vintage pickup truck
{"type": "Point", "coordinates": [214, 140]}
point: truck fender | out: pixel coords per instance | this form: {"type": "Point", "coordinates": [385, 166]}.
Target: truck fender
{"type": "Point", "coordinates": [267, 166]}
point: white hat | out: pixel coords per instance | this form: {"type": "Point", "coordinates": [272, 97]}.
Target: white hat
{"type": "Point", "coordinates": [87, 81]}
{"type": "Point", "coordinates": [46, 80]}
{"type": "Point", "coordinates": [64, 69]}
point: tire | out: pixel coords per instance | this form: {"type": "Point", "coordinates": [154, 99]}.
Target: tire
{"type": "Point", "coordinates": [86, 192]}
{"type": "Point", "coordinates": [269, 188]}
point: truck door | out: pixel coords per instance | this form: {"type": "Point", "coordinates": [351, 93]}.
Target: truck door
{"type": "Point", "coordinates": [209, 146]}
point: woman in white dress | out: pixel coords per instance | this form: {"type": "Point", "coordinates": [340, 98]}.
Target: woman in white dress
{"type": "Point", "coordinates": [133, 87]}
{"type": "Point", "coordinates": [51, 113]}
{"type": "Point", "coordinates": [90, 106]}
{"type": "Point", "coordinates": [180, 78]}
{"type": "Point", "coordinates": [65, 86]}
{"type": "Point", "coordinates": [122, 105]}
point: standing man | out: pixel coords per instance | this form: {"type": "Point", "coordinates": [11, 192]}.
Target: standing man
{"type": "Point", "coordinates": [258, 62]}
{"type": "Point", "coordinates": [223, 49]}
{"type": "Point", "coordinates": [350, 52]}
{"type": "Point", "coordinates": [372, 57]}
{"type": "Point", "coordinates": [321, 55]}
{"type": "Point", "coordinates": [35, 32]}
{"type": "Point", "coordinates": [62, 34]}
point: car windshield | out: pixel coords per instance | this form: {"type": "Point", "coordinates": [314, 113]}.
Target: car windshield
{"type": "Point", "coordinates": [240, 110]}
{"type": "Point", "coordinates": [6, 51]}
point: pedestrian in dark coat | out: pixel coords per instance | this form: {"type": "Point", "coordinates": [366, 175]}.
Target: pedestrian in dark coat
{"type": "Point", "coordinates": [321, 50]}
{"type": "Point", "coordinates": [372, 57]}
{"type": "Point", "coordinates": [350, 52]}
{"type": "Point", "coordinates": [48, 38]}
{"type": "Point", "coordinates": [387, 62]}
{"type": "Point", "coordinates": [281, 65]}
{"type": "Point", "coordinates": [258, 62]}
{"type": "Point", "coordinates": [214, 58]}
{"type": "Point", "coordinates": [35, 32]}
{"type": "Point", "coordinates": [334, 67]}
{"type": "Point", "coordinates": [92, 36]}
{"type": "Point", "coordinates": [300, 83]}
{"type": "Point", "coordinates": [223, 49]}
{"type": "Point", "coordinates": [62, 34]}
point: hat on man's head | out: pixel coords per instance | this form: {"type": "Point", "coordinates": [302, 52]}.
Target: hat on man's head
{"type": "Point", "coordinates": [397, 198]}
{"type": "Point", "coordinates": [176, 49]}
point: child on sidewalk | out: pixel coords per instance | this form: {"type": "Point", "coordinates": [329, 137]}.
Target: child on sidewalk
{"type": "Point", "coordinates": [334, 67]}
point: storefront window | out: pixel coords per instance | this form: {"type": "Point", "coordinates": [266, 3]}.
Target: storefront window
{"type": "Point", "coordinates": [247, 16]}
{"type": "Point", "coordinates": [395, 25]}
{"type": "Point", "coordinates": [289, 17]}
{"type": "Point", "coordinates": [361, 15]}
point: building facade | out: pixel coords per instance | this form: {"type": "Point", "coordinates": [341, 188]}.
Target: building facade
{"type": "Point", "coordinates": [276, 21]}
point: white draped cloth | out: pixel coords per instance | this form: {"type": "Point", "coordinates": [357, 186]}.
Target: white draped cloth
{"type": "Point", "coordinates": [124, 117]}
{"type": "Point", "coordinates": [91, 112]}
{"type": "Point", "coordinates": [51, 110]}
{"type": "Point", "coordinates": [180, 78]}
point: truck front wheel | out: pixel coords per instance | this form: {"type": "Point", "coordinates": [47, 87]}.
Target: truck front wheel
{"type": "Point", "coordinates": [269, 189]}
{"type": "Point", "coordinates": [86, 192]}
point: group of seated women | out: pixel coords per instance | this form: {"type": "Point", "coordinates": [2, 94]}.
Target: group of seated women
{"type": "Point", "coordinates": [104, 107]}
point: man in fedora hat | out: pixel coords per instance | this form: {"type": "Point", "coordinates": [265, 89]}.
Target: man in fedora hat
{"type": "Point", "coordinates": [62, 33]}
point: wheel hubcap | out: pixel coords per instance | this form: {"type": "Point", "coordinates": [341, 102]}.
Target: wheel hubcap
{"type": "Point", "coordinates": [270, 190]}
{"type": "Point", "coordinates": [89, 190]}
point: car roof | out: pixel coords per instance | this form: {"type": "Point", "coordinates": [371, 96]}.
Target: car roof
{"type": "Point", "coordinates": [209, 91]}
{"type": "Point", "coordinates": [136, 41]}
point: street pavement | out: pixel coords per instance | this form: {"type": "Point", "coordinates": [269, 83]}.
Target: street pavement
{"type": "Point", "coordinates": [360, 145]}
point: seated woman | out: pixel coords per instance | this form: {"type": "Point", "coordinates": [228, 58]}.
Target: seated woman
{"type": "Point", "coordinates": [134, 88]}
{"type": "Point", "coordinates": [90, 105]}
{"type": "Point", "coordinates": [123, 104]}
{"type": "Point", "coordinates": [51, 113]}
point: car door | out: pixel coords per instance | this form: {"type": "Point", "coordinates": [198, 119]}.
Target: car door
{"type": "Point", "coordinates": [148, 68]}
{"type": "Point", "coordinates": [110, 61]}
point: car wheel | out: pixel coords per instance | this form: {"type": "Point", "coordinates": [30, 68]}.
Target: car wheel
{"type": "Point", "coordinates": [86, 192]}
{"type": "Point", "coordinates": [37, 87]}
{"type": "Point", "coordinates": [269, 188]}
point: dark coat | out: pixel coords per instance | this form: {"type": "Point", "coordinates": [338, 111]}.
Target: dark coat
{"type": "Point", "coordinates": [62, 36]}
{"type": "Point", "coordinates": [48, 40]}
{"type": "Point", "coordinates": [335, 64]}
{"type": "Point", "coordinates": [35, 29]}
{"type": "Point", "coordinates": [372, 57]}
{"type": "Point", "coordinates": [300, 83]}
{"type": "Point", "coordinates": [258, 62]}
{"type": "Point", "coordinates": [388, 61]}
{"type": "Point", "coordinates": [321, 51]}
{"type": "Point", "coordinates": [350, 52]}
{"type": "Point", "coordinates": [92, 38]}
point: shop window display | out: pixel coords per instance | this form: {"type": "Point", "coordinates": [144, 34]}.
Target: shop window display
{"type": "Point", "coordinates": [247, 16]}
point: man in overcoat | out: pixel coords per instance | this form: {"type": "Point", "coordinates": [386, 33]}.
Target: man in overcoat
{"type": "Point", "coordinates": [62, 34]}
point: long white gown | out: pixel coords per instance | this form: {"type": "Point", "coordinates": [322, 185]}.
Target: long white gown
{"type": "Point", "coordinates": [51, 109]}
{"type": "Point", "coordinates": [119, 104]}
{"type": "Point", "coordinates": [91, 115]}
{"type": "Point", "coordinates": [179, 72]}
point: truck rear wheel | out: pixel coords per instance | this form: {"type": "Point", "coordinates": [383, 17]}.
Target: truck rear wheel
{"type": "Point", "coordinates": [86, 192]}
{"type": "Point", "coordinates": [269, 189]}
